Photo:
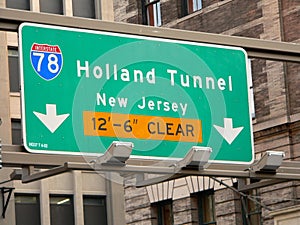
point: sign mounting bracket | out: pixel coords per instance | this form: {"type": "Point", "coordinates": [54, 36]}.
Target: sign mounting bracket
{"type": "Point", "coordinates": [5, 190]}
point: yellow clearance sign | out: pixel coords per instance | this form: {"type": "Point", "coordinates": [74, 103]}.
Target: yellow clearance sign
{"type": "Point", "coordinates": [142, 127]}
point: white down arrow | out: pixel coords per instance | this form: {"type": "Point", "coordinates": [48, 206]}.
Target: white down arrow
{"type": "Point", "coordinates": [228, 132]}
{"type": "Point", "coordinates": [51, 120]}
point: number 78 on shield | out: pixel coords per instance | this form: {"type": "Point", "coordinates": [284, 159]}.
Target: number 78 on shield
{"type": "Point", "coordinates": [47, 60]}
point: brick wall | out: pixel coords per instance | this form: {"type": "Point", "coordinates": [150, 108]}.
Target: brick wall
{"type": "Point", "coordinates": [222, 17]}
{"type": "Point", "coordinates": [137, 205]}
{"type": "Point", "coordinates": [169, 11]}
{"type": "Point", "coordinates": [277, 197]}
{"type": "Point", "coordinates": [182, 211]}
{"type": "Point", "coordinates": [127, 11]}
{"type": "Point", "coordinates": [290, 16]}
{"type": "Point", "coordinates": [228, 207]}
{"type": "Point", "coordinates": [290, 13]}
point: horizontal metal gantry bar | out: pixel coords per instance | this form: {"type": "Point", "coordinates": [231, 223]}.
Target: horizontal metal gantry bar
{"type": "Point", "coordinates": [10, 20]}
{"type": "Point", "coordinates": [16, 156]}
{"type": "Point", "coordinates": [287, 172]}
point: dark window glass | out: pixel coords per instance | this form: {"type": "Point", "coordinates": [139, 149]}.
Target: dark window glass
{"type": "Point", "coordinates": [206, 207]}
{"type": "Point", "coordinates": [16, 132]}
{"type": "Point", "coordinates": [18, 4]}
{"type": "Point", "coordinates": [27, 209]}
{"type": "Point", "coordinates": [51, 6]}
{"type": "Point", "coordinates": [84, 8]}
{"type": "Point", "coordinates": [94, 208]}
{"type": "Point", "coordinates": [14, 71]}
{"type": "Point", "coordinates": [163, 212]}
{"type": "Point", "coordinates": [61, 210]}
{"type": "Point", "coordinates": [190, 6]}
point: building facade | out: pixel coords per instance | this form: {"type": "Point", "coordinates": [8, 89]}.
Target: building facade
{"type": "Point", "coordinates": [189, 200]}
{"type": "Point", "coordinates": [275, 114]}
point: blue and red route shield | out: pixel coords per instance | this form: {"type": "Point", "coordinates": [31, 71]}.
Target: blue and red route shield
{"type": "Point", "coordinates": [46, 60]}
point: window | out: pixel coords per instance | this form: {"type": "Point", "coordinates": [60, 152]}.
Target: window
{"type": "Point", "coordinates": [61, 210]}
{"type": "Point", "coordinates": [16, 132]}
{"type": "Point", "coordinates": [152, 15]}
{"type": "Point", "coordinates": [18, 4]}
{"type": "Point", "coordinates": [14, 71]}
{"type": "Point", "coordinates": [205, 203]}
{"type": "Point", "coordinates": [251, 210]}
{"type": "Point", "coordinates": [84, 8]}
{"type": "Point", "coordinates": [26, 205]}
{"type": "Point", "coordinates": [251, 93]}
{"type": "Point", "coordinates": [53, 6]}
{"type": "Point", "coordinates": [94, 208]}
{"type": "Point", "coordinates": [190, 6]}
{"type": "Point", "coordinates": [194, 5]}
{"type": "Point", "coordinates": [162, 212]}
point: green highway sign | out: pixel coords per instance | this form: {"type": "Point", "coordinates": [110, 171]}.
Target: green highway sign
{"type": "Point", "coordinates": [84, 89]}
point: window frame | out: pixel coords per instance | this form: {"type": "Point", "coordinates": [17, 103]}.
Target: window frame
{"type": "Point", "coordinates": [251, 90]}
{"type": "Point", "coordinates": [12, 52]}
{"type": "Point", "coordinates": [158, 212]}
{"type": "Point", "coordinates": [38, 205]}
{"type": "Point", "coordinates": [96, 10]}
{"type": "Point", "coordinates": [16, 131]}
{"type": "Point", "coordinates": [19, 6]}
{"type": "Point", "coordinates": [61, 12]}
{"type": "Point", "coordinates": [98, 197]}
{"type": "Point", "coordinates": [191, 6]}
{"type": "Point", "coordinates": [71, 197]}
{"type": "Point", "coordinates": [152, 13]}
{"type": "Point", "coordinates": [203, 198]}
